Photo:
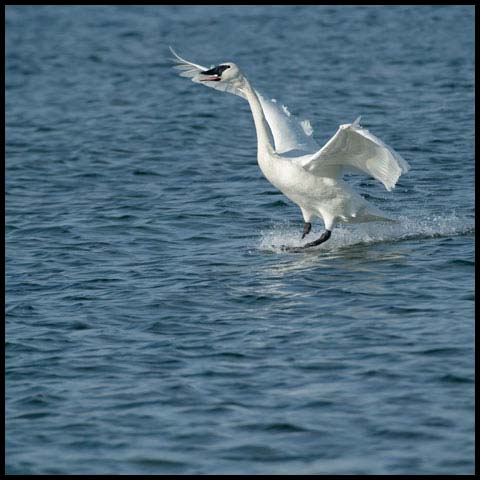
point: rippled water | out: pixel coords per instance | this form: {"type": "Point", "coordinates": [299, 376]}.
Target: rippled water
{"type": "Point", "coordinates": [153, 323]}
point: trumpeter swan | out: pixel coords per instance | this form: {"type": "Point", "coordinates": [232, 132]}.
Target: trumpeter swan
{"type": "Point", "coordinates": [310, 176]}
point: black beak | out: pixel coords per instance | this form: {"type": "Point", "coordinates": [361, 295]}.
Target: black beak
{"type": "Point", "coordinates": [218, 70]}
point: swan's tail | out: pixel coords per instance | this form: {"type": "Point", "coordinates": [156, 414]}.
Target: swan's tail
{"type": "Point", "coordinates": [367, 212]}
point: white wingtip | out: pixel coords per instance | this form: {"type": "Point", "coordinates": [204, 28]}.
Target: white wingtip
{"type": "Point", "coordinates": [356, 123]}
{"type": "Point", "coordinates": [175, 54]}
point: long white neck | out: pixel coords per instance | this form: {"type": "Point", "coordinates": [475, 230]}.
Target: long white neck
{"type": "Point", "coordinates": [264, 137]}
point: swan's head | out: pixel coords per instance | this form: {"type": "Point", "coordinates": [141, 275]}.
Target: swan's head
{"type": "Point", "coordinates": [225, 72]}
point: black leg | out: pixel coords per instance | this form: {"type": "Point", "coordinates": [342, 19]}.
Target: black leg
{"type": "Point", "coordinates": [323, 238]}
{"type": "Point", "coordinates": [307, 226]}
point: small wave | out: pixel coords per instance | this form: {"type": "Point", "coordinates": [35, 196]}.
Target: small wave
{"type": "Point", "coordinates": [285, 235]}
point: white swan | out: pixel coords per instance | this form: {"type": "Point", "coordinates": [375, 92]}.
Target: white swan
{"type": "Point", "coordinates": [292, 161]}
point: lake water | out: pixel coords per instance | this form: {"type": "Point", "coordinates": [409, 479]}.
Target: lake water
{"type": "Point", "coordinates": [153, 323]}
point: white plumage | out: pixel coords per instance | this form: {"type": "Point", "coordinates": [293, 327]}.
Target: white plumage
{"type": "Point", "coordinates": [289, 157]}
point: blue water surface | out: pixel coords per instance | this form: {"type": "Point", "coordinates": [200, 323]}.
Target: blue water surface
{"type": "Point", "coordinates": [153, 323]}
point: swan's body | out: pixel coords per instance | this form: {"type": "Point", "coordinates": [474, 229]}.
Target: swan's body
{"type": "Point", "coordinates": [293, 162]}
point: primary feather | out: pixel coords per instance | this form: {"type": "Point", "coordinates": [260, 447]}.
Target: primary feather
{"type": "Point", "coordinates": [355, 147]}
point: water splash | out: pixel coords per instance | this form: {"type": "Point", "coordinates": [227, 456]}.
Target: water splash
{"type": "Point", "coordinates": [286, 235]}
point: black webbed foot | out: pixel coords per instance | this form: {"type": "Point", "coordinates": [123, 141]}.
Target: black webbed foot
{"type": "Point", "coordinates": [323, 238]}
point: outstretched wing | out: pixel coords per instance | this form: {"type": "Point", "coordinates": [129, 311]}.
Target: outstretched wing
{"type": "Point", "coordinates": [193, 71]}
{"type": "Point", "coordinates": [355, 147]}
{"type": "Point", "coordinates": [289, 134]}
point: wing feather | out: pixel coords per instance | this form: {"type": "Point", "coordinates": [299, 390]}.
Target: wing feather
{"type": "Point", "coordinates": [289, 134]}
{"type": "Point", "coordinates": [355, 147]}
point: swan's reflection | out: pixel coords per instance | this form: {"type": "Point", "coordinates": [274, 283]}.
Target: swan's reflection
{"type": "Point", "coordinates": [353, 269]}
